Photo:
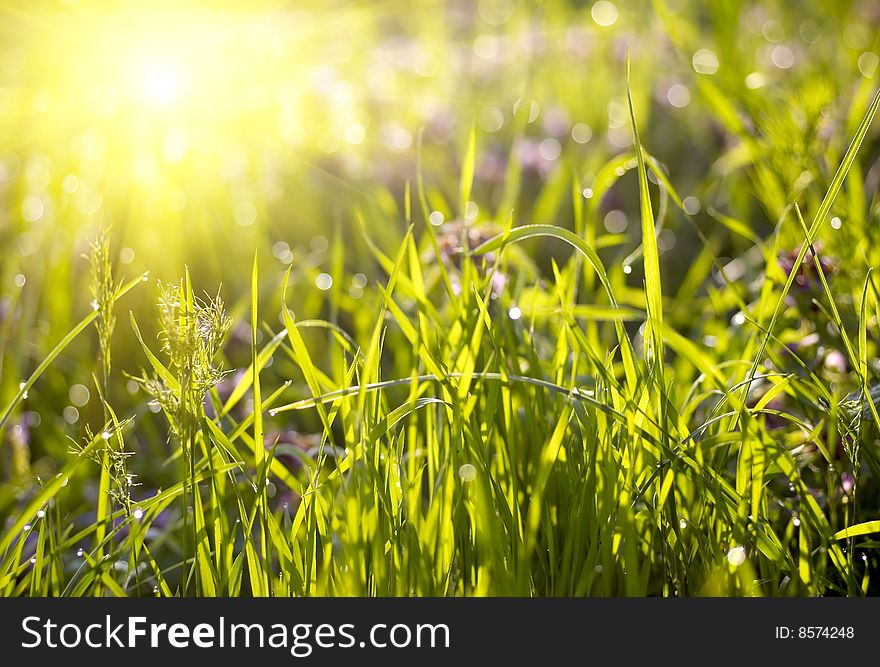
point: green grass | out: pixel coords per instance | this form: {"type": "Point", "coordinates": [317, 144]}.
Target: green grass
{"type": "Point", "coordinates": [499, 360]}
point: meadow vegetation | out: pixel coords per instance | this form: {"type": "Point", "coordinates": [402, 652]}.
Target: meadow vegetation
{"type": "Point", "coordinates": [482, 298]}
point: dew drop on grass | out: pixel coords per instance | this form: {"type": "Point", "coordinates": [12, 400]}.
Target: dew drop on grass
{"type": "Point", "coordinates": [319, 244]}
{"type": "Point", "coordinates": [868, 64]}
{"type": "Point", "coordinates": [604, 13]}
{"type": "Point", "coordinates": [26, 527]}
{"type": "Point", "coordinates": [105, 435]}
{"type": "Point", "coordinates": [514, 313]}
{"type": "Point", "coordinates": [587, 193]}
{"type": "Point", "coordinates": [627, 269]}
{"type": "Point", "coordinates": [581, 133]}
{"type": "Point", "coordinates": [71, 414]}
{"type": "Point", "coordinates": [34, 560]}
{"type": "Point", "coordinates": [683, 524]}
{"type": "Point", "coordinates": [41, 514]}
{"type": "Point", "coordinates": [138, 514]}
{"type": "Point", "coordinates": [79, 395]}
{"type": "Point", "coordinates": [616, 221]}
{"type": "Point", "coordinates": [678, 95]}
{"type": "Point", "coordinates": [550, 149]}
{"type": "Point", "coordinates": [796, 521]}
{"type": "Point", "coordinates": [755, 80]}
{"type": "Point", "coordinates": [736, 556]}
{"type": "Point", "coordinates": [324, 281]}
{"type": "Point", "coordinates": [79, 552]}
{"type": "Point", "coordinates": [782, 57]}
{"type": "Point", "coordinates": [705, 62]}
{"type": "Point", "coordinates": [691, 205]}
{"type": "Point", "coordinates": [21, 387]}
{"type": "Point", "coordinates": [467, 473]}
{"type": "Point", "coordinates": [835, 222]}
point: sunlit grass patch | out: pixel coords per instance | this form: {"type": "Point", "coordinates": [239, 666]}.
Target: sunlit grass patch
{"type": "Point", "coordinates": [483, 299]}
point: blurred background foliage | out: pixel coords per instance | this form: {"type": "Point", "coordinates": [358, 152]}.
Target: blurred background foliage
{"type": "Point", "coordinates": [198, 132]}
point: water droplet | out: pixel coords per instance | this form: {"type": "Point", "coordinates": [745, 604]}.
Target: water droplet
{"type": "Point", "coordinates": [467, 473]}
{"type": "Point", "coordinates": [41, 514]}
{"type": "Point", "coordinates": [106, 435]}
{"type": "Point", "coordinates": [691, 205]}
{"type": "Point", "coordinates": [604, 13]}
{"type": "Point", "coordinates": [587, 193]}
{"type": "Point", "coordinates": [705, 62]}
{"type": "Point", "coordinates": [138, 514]}
{"type": "Point", "coordinates": [835, 222]}
{"type": "Point", "coordinates": [678, 95]}
{"type": "Point", "coordinates": [34, 560]}
{"type": "Point", "coordinates": [627, 269]}
{"type": "Point", "coordinates": [70, 414]}
{"type": "Point", "coordinates": [324, 281]}
{"type": "Point", "coordinates": [79, 395]}
{"type": "Point", "coordinates": [683, 524]}
{"type": "Point", "coordinates": [868, 62]}
{"type": "Point", "coordinates": [26, 527]}
{"type": "Point", "coordinates": [94, 304]}
{"type": "Point", "coordinates": [582, 133]}
{"type": "Point", "coordinates": [755, 80]}
{"type": "Point", "coordinates": [514, 313]}
{"type": "Point", "coordinates": [436, 218]}
{"type": "Point", "coordinates": [736, 556]}
{"type": "Point", "coordinates": [782, 57]}
{"type": "Point", "coordinates": [79, 552]}
{"type": "Point", "coordinates": [796, 521]}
